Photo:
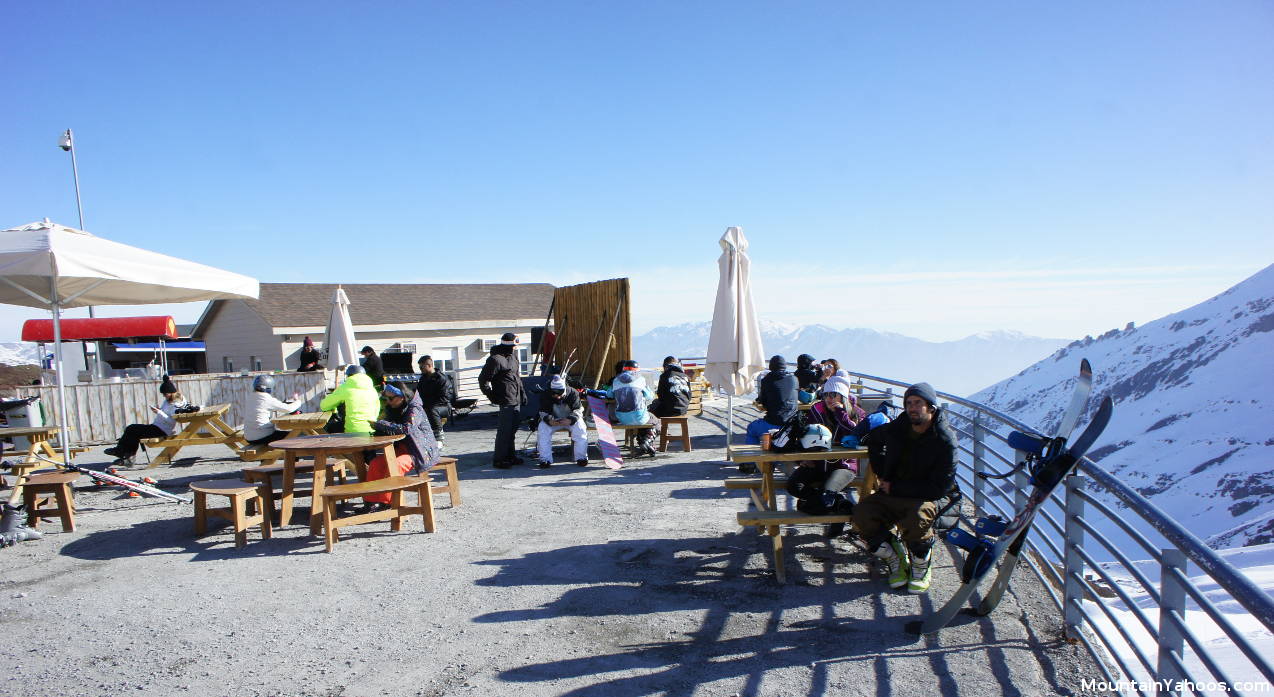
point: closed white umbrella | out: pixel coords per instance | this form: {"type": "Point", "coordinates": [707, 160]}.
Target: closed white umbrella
{"type": "Point", "coordinates": [52, 266]}
{"type": "Point", "coordinates": [735, 354]}
{"type": "Point", "coordinates": [339, 340]}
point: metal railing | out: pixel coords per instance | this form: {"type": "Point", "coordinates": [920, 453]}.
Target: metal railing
{"type": "Point", "coordinates": [1130, 616]}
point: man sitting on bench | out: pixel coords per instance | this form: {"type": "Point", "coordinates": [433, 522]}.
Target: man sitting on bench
{"type": "Point", "coordinates": [414, 454]}
{"type": "Point", "coordinates": [259, 407]}
{"type": "Point", "coordinates": [917, 469]}
{"type": "Point", "coordinates": [672, 396]}
{"type": "Point", "coordinates": [560, 408]}
{"type": "Point", "coordinates": [161, 427]}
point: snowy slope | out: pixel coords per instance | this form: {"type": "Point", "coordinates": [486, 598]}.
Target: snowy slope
{"type": "Point", "coordinates": [1194, 419]}
{"type": "Point", "coordinates": [19, 353]}
{"type": "Point", "coordinates": [958, 367]}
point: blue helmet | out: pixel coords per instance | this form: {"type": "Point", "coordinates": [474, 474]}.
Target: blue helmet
{"type": "Point", "coordinates": [354, 369]}
{"type": "Point", "coordinates": [263, 383]}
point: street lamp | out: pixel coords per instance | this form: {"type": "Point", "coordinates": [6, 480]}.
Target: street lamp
{"type": "Point", "coordinates": [67, 143]}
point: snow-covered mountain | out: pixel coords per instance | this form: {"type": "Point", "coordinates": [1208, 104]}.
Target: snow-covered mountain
{"type": "Point", "coordinates": [19, 353]}
{"type": "Point", "coordinates": [958, 367]}
{"type": "Point", "coordinates": [1193, 428]}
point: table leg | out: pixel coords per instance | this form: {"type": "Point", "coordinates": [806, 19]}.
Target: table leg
{"type": "Point", "coordinates": [767, 485]}
{"type": "Point", "coordinates": [316, 499]}
{"type": "Point", "coordinates": [776, 546]}
{"type": "Point", "coordinates": [288, 486]}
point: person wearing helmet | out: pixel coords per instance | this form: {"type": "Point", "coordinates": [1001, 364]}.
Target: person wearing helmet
{"type": "Point", "coordinates": [414, 454]}
{"type": "Point", "coordinates": [807, 378]}
{"type": "Point", "coordinates": [838, 413]}
{"type": "Point", "coordinates": [777, 397]}
{"type": "Point", "coordinates": [561, 408]}
{"type": "Point", "coordinates": [916, 469]}
{"type": "Point", "coordinates": [259, 407]}
{"type": "Point", "coordinates": [358, 398]}
{"type": "Point", "coordinates": [632, 396]}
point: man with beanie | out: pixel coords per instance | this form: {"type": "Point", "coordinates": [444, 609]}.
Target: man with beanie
{"type": "Point", "coordinates": [672, 395]}
{"type": "Point", "coordinates": [371, 363]}
{"type": "Point", "coordinates": [777, 395]}
{"type": "Point", "coordinates": [501, 382]}
{"type": "Point", "coordinates": [916, 468]}
{"type": "Point", "coordinates": [309, 357]}
{"type": "Point", "coordinates": [561, 408]}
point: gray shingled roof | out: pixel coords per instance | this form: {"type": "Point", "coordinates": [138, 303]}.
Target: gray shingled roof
{"type": "Point", "coordinates": [310, 304]}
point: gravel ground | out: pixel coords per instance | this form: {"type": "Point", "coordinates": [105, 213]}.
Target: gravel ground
{"type": "Point", "coordinates": [564, 581]}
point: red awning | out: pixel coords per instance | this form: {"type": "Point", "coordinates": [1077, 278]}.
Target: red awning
{"type": "Point", "coordinates": [102, 328]}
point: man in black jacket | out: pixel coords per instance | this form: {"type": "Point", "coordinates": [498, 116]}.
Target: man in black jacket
{"type": "Point", "coordinates": [501, 382]}
{"type": "Point", "coordinates": [806, 374]}
{"type": "Point", "coordinates": [371, 363]}
{"type": "Point", "coordinates": [777, 395]}
{"type": "Point", "coordinates": [917, 467]}
{"type": "Point", "coordinates": [436, 395]}
{"type": "Point", "coordinates": [672, 396]}
{"type": "Point", "coordinates": [561, 408]}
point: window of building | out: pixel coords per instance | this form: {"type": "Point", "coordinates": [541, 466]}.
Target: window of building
{"type": "Point", "coordinates": [227, 364]}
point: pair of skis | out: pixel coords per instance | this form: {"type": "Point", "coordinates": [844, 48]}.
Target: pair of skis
{"type": "Point", "coordinates": [1049, 461]}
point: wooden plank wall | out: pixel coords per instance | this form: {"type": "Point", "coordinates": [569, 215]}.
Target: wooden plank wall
{"type": "Point", "coordinates": [582, 315]}
{"type": "Point", "coordinates": [100, 411]}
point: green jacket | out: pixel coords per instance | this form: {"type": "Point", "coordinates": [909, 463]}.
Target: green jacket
{"type": "Point", "coordinates": [362, 403]}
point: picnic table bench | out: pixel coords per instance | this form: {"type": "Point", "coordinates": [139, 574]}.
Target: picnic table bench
{"type": "Point", "coordinates": [202, 427]}
{"type": "Point", "coordinates": [763, 491]}
{"type": "Point", "coordinates": [305, 424]}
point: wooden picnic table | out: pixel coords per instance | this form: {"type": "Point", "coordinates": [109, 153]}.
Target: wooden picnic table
{"type": "Point", "coordinates": [202, 427]}
{"type": "Point", "coordinates": [321, 447]}
{"type": "Point", "coordinates": [307, 424]}
{"type": "Point", "coordinates": [767, 515]}
{"type": "Point", "coordinates": [38, 437]}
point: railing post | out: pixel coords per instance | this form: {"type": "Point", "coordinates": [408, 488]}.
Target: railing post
{"type": "Point", "coordinates": [1172, 598]}
{"type": "Point", "coordinates": [979, 464]}
{"type": "Point", "coordinates": [1073, 569]}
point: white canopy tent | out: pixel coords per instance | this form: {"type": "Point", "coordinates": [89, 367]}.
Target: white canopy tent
{"type": "Point", "coordinates": [54, 267]}
{"type": "Point", "coordinates": [339, 339]}
{"type": "Point", "coordinates": [735, 354]}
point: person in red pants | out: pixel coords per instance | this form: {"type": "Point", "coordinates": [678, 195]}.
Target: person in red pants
{"type": "Point", "coordinates": [414, 454]}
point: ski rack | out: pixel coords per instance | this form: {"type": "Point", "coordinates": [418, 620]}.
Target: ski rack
{"type": "Point", "coordinates": [1068, 540]}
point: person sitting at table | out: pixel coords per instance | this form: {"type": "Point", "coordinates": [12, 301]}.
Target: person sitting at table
{"type": "Point", "coordinates": [436, 394]}
{"type": "Point", "coordinates": [672, 395]}
{"type": "Point", "coordinates": [827, 368]}
{"type": "Point", "coordinates": [413, 455]}
{"type": "Point", "coordinates": [358, 397]}
{"type": "Point", "coordinates": [561, 408]}
{"type": "Point", "coordinates": [838, 410]}
{"type": "Point", "coordinates": [631, 397]}
{"type": "Point", "coordinates": [309, 357]}
{"type": "Point", "coordinates": [162, 426]}
{"type": "Point", "coordinates": [807, 378]}
{"type": "Point", "coordinates": [259, 408]}
{"type": "Point", "coordinates": [916, 469]}
{"type": "Point", "coordinates": [371, 363]}
{"type": "Point", "coordinates": [777, 396]}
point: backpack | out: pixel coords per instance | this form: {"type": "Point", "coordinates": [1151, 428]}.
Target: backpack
{"type": "Point", "coordinates": [788, 438]}
{"type": "Point", "coordinates": [628, 398]}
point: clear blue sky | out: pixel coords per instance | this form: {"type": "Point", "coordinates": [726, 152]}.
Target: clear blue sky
{"type": "Point", "coordinates": [911, 169]}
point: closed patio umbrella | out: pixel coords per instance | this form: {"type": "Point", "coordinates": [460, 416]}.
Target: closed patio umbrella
{"type": "Point", "coordinates": [51, 266]}
{"type": "Point", "coordinates": [735, 354]}
{"type": "Point", "coordinates": [339, 340]}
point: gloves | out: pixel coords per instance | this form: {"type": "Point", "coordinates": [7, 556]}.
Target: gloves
{"type": "Point", "coordinates": [850, 441]}
{"type": "Point", "coordinates": [595, 393]}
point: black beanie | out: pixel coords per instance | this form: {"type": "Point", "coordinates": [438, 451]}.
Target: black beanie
{"type": "Point", "coordinates": [167, 387]}
{"type": "Point", "coordinates": [924, 391]}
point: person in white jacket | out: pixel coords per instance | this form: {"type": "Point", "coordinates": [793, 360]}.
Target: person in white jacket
{"type": "Point", "coordinates": [162, 426]}
{"type": "Point", "coordinates": [260, 407]}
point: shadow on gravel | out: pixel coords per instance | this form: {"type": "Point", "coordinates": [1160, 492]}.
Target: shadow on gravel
{"type": "Point", "coordinates": [176, 536]}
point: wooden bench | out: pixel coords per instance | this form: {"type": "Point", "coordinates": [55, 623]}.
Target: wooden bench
{"type": "Point", "coordinates": [55, 486]}
{"type": "Point", "coordinates": [260, 453]}
{"type": "Point", "coordinates": [452, 488]}
{"type": "Point", "coordinates": [684, 422]}
{"type": "Point", "coordinates": [394, 486]}
{"type": "Point", "coordinates": [203, 427]}
{"type": "Point", "coordinates": [771, 520]}
{"type": "Point", "coordinates": [239, 493]}
{"type": "Point", "coordinates": [263, 475]}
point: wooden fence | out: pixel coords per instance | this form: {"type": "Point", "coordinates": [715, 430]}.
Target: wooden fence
{"type": "Point", "coordinates": [593, 320]}
{"type": "Point", "coordinates": [100, 411]}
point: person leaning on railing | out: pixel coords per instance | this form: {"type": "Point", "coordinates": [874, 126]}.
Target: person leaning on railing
{"type": "Point", "coordinates": [916, 469]}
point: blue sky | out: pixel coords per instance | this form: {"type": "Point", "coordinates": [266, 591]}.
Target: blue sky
{"type": "Point", "coordinates": [935, 169]}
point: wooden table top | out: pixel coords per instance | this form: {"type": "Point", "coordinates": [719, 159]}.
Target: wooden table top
{"type": "Point", "coordinates": [292, 422]}
{"type": "Point", "coordinates": [28, 431]}
{"type": "Point", "coordinates": [214, 410]}
{"type": "Point", "coordinates": [754, 453]}
{"type": "Point", "coordinates": [335, 442]}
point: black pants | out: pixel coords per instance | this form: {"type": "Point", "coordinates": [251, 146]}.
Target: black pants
{"type": "Point", "coordinates": [133, 434]}
{"type": "Point", "coordinates": [505, 432]}
{"type": "Point", "coordinates": [807, 480]}
{"type": "Point", "coordinates": [436, 413]}
{"type": "Point", "coordinates": [277, 435]}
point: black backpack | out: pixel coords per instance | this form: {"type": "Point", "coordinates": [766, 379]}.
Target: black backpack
{"type": "Point", "coordinates": [788, 438]}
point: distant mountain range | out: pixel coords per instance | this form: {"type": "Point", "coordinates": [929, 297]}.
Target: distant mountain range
{"type": "Point", "coordinates": [19, 353]}
{"type": "Point", "coordinates": [958, 367]}
{"type": "Point", "coordinates": [1192, 429]}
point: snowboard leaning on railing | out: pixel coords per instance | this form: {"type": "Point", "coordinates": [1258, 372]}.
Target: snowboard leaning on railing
{"type": "Point", "coordinates": [1048, 461]}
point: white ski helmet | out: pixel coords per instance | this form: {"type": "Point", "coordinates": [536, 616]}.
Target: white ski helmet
{"type": "Point", "coordinates": [817, 437]}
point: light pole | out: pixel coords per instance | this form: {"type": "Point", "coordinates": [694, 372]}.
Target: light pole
{"type": "Point", "coordinates": [67, 143]}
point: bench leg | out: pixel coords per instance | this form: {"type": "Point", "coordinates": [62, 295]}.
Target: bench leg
{"type": "Point", "coordinates": [396, 502]}
{"type": "Point", "coordinates": [289, 485]}
{"type": "Point", "coordinates": [66, 508]}
{"type": "Point", "coordinates": [329, 528]}
{"type": "Point", "coordinates": [685, 436]}
{"type": "Point", "coordinates": [426, 495]}
{"type": "Point", "coordinates": [776, 546]}
{"type": "Point", "coordinates": [238, 506]}
{"type": "Point", "coordinates": [453, 483]}
{"type": "Point", "coordinates": [663, 437]}
{"type": "Point", "coordinates": [266, 512]}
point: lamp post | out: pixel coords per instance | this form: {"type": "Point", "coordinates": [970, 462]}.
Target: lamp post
{"type": "Point", "coordinates": [67, 143]}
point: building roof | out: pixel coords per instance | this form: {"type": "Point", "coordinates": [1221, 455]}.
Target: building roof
{"type": "Point", "coordinates": [310, 304]}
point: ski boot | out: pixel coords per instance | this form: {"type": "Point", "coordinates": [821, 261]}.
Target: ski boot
{"type": "Point", "coordinates": [894, 554]}
{"type": "Point", "coordinates": [921, 570]}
